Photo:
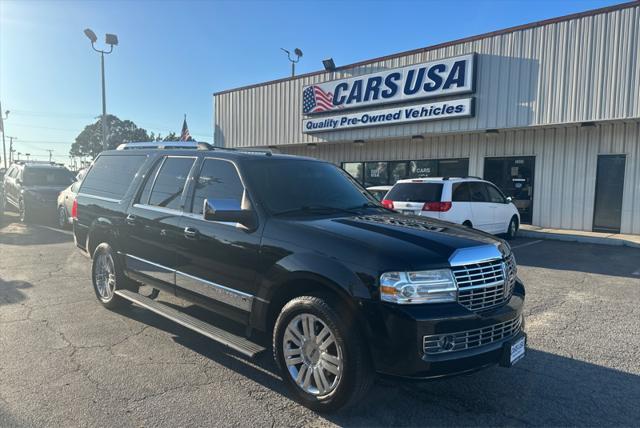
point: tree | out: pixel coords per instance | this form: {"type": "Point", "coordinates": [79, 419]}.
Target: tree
{"type": "Point", "coordinates": [89, 141]}
{"type": "Point", "coordinates": [171, 137]}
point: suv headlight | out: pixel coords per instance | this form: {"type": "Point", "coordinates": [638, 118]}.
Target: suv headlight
{"type": "Point", "coordinates": [427, 286]}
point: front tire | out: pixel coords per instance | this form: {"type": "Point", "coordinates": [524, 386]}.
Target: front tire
{"type": "Point", "coordinates": [323, 361]}
{"type": "Point", "coordinates": [512, 230]}
{"type": "Point", "coordinates": [107, 276]}
{"type": "Point", "coordinates": [25, 214]}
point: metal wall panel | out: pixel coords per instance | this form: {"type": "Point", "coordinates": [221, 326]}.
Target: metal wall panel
{"type": "Point", "coordinates": [565, 169]}
{"type": "Point", "coordinates": [582, 69]}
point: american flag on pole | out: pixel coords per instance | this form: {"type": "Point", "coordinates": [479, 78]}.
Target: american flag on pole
{"type": "Point", "coordinates": [315, 100]}
{"type": "Point", "coordinates": [185, 136]}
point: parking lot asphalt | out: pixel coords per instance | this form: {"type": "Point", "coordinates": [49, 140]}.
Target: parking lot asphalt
{"type": "Point", "coordinates": [66, 361]}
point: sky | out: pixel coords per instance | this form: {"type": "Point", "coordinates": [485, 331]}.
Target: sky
{"type": "Point", "coordinates": [173, 55]}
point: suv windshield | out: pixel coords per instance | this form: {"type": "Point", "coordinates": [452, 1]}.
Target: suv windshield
{"type": "Point", "coordinates": [299, 185]}
{"type": "Point", "coordinates": [415, 192]}
{"type": "Point", "coordinates": [47, 177]}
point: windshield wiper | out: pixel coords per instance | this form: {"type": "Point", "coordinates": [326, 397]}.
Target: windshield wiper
{"type": "Point", "coordinates": [314, 208]}
{"type": "Point", "coordinates": [369, 205]}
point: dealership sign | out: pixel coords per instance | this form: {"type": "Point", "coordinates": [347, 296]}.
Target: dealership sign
{"type": "Point", "coordinates": [446, 77]}
{"type": "Point", "coordinates": [391, 116]}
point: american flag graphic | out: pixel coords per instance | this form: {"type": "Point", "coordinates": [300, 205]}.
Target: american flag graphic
{"type": "Point", "coordinates": [315, 100]}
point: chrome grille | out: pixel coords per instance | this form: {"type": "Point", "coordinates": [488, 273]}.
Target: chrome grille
{"type": "Point", "coordinates": [485, 285]}
{"type": "Point", "coordinates": [459, 341]}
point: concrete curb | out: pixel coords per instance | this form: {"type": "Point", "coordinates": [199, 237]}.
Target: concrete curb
{"type": "Point", "coordinates": [571, 237]}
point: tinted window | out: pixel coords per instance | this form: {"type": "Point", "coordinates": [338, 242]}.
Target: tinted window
{"type": "Point", "coordinates": [376, 174]}
{"type": "Point", "coordinates": [111, 175]}
{"type": "Point", "coordinates": [47, 177]}
{"type": "Point", "coordinates": [220, 184]}
{"type": "Point", "coordinates": [478, 192]}
{"type": "Point", "coordinates": [13, 172]}
{"type": "Point", "coordinates": [461, 193]}
{"type": "Point", "coordinates": [355, 169]}
{"type": "Point", "coordinates": [169, 185]}
{"type": "Point", "coordinates": [285, 185]}
{"type": "Point", "coordinates": [494, 195]}
{"type": "Point", "coordinates": [416, 192]}
{"type": "Point", "coordinates": [398, 171]}
{"type": "Point", "coordinates": [150, 177]}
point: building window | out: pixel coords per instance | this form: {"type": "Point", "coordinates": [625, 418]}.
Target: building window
{"type": "Point", "coordinates": [381, 173]}
{"type": "Point", "coordinates": [355, 169]}
{"type": "Point", "coordinates": [423, 168]}
{"type": "Point", "coordinates": [376, 174]}
{"type": "Point", "coordinates": [398, 171]}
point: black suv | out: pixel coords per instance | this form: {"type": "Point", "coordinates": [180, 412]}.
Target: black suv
{"type": "Point", "coordinates": [32, 188]}
{"type": "Point", "coordinates": [295, 250]}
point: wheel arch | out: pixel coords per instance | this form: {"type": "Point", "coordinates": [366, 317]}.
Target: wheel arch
{"type": "Point", "coordinates": [101, 230]}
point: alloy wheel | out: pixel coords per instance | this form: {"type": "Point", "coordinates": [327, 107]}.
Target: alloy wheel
{"type": "Point", "coordinates": [105, 276]}
{"type": "Point", "coordinates": [312, 355]}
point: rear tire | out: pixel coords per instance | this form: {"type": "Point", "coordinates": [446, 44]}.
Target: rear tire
{"type": "Point", "coordinates": [512, 230]}
{"type": "Point", "coordinates": [62, 218]}
{"type": "Point", "coordinates": [468, 224]}
{"type": "Point", "coordinates": [107, 276]}
{"type": "Point", "coordinates": [322, 359]}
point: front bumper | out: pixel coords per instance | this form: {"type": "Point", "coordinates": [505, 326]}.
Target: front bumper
{"type": "Point", "coordinates": [397, 336]}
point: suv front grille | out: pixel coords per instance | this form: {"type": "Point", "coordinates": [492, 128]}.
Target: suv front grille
{"type": "Point", "coordinates": [485, 285]}
{"type": "Point", "coordinates": [462, 340]}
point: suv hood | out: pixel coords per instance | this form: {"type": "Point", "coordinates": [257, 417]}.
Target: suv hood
{"type": "Point", "coordinates": [393, 241]}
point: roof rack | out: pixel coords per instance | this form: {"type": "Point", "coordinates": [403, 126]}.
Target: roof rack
{"type": "Point", "coordinates": [186, 145]}
{"type": "Point", "coordinates": [159, 145]}
{"type": "Point", "coordinates": [36, 162]}
{"type": "Point", "coordinates": [207, 146]}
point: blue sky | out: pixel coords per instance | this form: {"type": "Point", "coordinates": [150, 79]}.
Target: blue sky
{"type": "Point", "coordinates": [173, 55]}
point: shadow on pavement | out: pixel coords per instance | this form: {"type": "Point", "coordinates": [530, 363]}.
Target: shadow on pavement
{"type": "Point", "coordinates": [581, 257]}
{"type": "Point", "coordinates": [11, 291]}
{"type": "Point", "coordinates": [544, 389]}
{"type": "Point", "coordinates": [12, 233]}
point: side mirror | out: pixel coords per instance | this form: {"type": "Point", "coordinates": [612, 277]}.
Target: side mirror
{"type": "Point", "coordinates": [509, 199]}
{"type": "Point", "coordinates": [244, 217]}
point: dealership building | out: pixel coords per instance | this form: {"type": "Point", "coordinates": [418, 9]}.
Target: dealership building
{"type": "Point", "coordinates": [549, 111]}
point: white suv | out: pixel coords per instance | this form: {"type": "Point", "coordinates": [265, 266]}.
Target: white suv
{"type": "Point", "coordinates": [469, 201]}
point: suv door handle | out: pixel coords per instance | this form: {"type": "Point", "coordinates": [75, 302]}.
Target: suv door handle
{"type": "Point", "coordinates": [130, 220]}
{"type": "Point", "coordinates": [191, 232]}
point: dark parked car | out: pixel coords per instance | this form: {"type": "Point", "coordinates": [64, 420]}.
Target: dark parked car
{"type": "Point", "coordinates": [342, 287]}
{"type": "Point", "coordinates": [32, 188]}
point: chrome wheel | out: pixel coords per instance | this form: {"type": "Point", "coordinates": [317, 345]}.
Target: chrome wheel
{"type": "Point", "coordinates": [105, 276]}
{"type": "Point", "coordinates": [312, 355]}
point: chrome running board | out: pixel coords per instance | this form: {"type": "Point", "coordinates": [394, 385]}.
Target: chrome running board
{"type": "Point", "coordinates": [237, 343]}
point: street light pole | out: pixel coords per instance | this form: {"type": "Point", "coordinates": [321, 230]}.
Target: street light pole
{"type": "Point", "coordinates": [10, 147]}
{"type": "Point", "coordinates": [4, 147]}
{"type": "Point", "coordinates": [298, 54]}
{"type": "Point", "coordinates": [111, 40]}
{"type": "Point", "coordinates": [104, 105]}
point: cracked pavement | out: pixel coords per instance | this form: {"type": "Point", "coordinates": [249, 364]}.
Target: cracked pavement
{"type": "Point", "coordinates": [66, 361]}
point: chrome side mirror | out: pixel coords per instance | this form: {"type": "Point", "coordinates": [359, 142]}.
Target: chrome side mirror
{"type": "Point", "coordinates": [246, 218]}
